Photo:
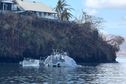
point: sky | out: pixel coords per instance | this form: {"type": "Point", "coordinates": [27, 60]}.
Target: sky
{"type": "Point", "coordinates": [112, 11]}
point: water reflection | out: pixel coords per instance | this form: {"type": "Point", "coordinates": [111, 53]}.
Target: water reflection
{"type": "Point", "coordinates": [108, 73]}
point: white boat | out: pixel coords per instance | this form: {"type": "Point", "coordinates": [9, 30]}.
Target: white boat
{"type": "Point", "coordinates": [30, 62]}
{"type": "Point", "coordinates": [59, 60]}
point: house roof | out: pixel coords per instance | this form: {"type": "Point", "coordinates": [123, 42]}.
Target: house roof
{"type": "Point", "coordinates": [6, 1]}
{"type": "Point", "coordinates": [34, 6]}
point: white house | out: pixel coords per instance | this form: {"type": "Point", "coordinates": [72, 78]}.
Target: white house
{"type": "Point", "coordinates": [25, 7]}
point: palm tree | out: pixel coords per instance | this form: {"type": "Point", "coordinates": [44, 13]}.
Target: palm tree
{"type": "Point", "coordinates": [61, 4]}
{"type": "Point", "coordinates": [63, 12]}
{"type": "Point", "coordinates": [66, 15]}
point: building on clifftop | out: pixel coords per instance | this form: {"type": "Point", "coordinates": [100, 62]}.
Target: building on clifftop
{"type": "Point", "coordinates": [25, 7]}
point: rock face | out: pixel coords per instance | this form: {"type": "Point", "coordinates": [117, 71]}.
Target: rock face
{"type": "Point", "coordinates": [29, 36]}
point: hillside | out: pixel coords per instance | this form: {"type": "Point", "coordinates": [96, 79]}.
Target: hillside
{"type": "Point", "coordinates": [29, 36]}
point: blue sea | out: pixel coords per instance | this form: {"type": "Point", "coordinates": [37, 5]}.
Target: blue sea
{"type": "Point", "coordinates": [104, 73]}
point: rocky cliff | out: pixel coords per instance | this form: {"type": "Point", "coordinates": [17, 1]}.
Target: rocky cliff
{"type": "Point", "coordinates": [29, 36]}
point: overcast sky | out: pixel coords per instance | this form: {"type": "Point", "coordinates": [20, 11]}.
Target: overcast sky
{"type": "Point", "coordinates": [113, 12]}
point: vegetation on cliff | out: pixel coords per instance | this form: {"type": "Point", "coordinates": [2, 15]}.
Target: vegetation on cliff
{"type": "Point", "coordinates": [29, 36]}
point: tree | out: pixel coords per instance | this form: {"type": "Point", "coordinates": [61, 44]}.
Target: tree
{"type": "Point", "coordinates": [60, 7]}
{"type": "Point", "coordinates": [115, 41]}
{"type": "Point", "coordinates": [63, 12]}
{"type": "Point", "coordinates": [86, 18]}
{"type": "Point", "coordinates": [83, 18]}
{"type": "Point", "coordinates": [66, 15]}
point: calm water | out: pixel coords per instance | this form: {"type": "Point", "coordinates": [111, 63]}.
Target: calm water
{"type": "Point", "coordinates": [108, 73]}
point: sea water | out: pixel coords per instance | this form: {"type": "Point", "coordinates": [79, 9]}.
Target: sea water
{"type": "Point", "coordinates": [104, 73]}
